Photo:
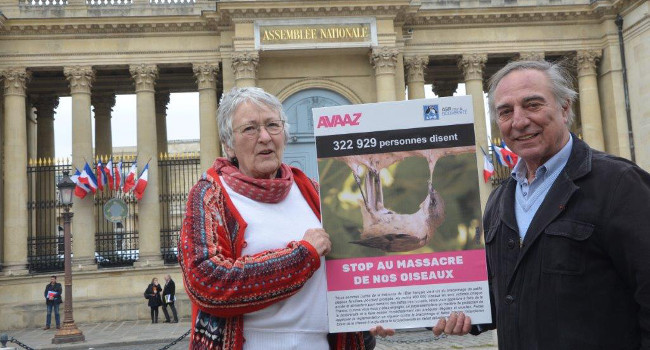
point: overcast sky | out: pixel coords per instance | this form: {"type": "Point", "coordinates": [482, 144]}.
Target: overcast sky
{"type": "Point", "coordinates": [182, 120]}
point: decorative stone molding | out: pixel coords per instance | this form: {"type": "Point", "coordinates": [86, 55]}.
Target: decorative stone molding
{"type": "Point", "coordinates": [480, 15]}
{"type": "Point", "coordinates": [206, 75]}
{"type": "Point", "coordinates": [531, 56]}
{"type": "Point", "coordinates": [587, 61]}
{"type": "Point", "coordinates": [472, 65]}
{"type": "Point", "coordinates": [384, 59]}
{"type": "Point", "coordinates": [415, 66]}
{"type": "Point", "coordinates": [145, 76]}
{"type": "Point", "coordinates": [80, 78]}
{"type": "Point", "coordinates": [16, 80]}
{"type": "Point", "coordinates": [103, 103]}
{"type": "Point", "coordinates": [244, 64]}
{"type": "Point", "coordinates": [108, 28]}
{"type": "Point", "coordinates": [161, 100]}
{"type": "Point", "coordinates": [444, 88]}
{"type": "Point", "coordinates": [253, 10]}
{"type": "Point", "coordinates": [320, 83]}
{"type": "Point", "coordinates": [45, 106]}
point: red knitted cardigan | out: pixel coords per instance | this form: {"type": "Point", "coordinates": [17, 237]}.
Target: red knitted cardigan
{"type": "Point", "coordinates": [223, 285]}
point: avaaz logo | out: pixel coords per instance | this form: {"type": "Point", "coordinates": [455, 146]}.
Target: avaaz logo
{"type": "Point", "coordinates": [338, 120]}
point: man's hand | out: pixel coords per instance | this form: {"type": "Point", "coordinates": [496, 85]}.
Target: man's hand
{"type": "Point", "coordinates": [381, 331]}
{"type": "Point", "coordinates": [456, 324]}
{"type": "Point", "coordinates": [319, 239]}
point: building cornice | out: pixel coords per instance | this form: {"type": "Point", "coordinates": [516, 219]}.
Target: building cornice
{"type": "Point", "coordinates": [515, 14]}
{"type": "Point", "coordinates": [240, 10]}
{"type": "Point", "coordinates": [109, 25]}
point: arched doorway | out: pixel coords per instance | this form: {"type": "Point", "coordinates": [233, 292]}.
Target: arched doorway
{"type": "Point", "coordinates": [301, 149]}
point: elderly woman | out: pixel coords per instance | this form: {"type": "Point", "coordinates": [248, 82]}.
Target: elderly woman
{"type": "Point", "coordinates": [252, 245]}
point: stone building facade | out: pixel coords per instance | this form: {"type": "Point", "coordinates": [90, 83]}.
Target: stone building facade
{"type": "Point", "coordinates": [309, 54]}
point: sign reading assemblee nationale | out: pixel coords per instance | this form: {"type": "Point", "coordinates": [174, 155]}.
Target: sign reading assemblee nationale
{"type": "Point", "coordinates": [400, 200]}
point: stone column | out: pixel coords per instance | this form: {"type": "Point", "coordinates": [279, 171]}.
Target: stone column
{"type": "Point", "coordinates": [400, 79]}
{"type": "Point", "coordinates": [472, 66]}
{"type": "Point", "coordinates": [45, 184]}
{"type": "Point", "coordinates": [148, 207]}
{"type": "Point", "coordinates": [103, 104]}
{"type": "Point", "coordinates": [83, 224]}
{"type": "Point", "coordinates": [162, 100]}
{"type": "Point", "coordinates": [444, 88]}
{"type": "Point", "coordinates": [415, 66]}
{"type": "Point", "coordinates": [531, 56]}
{"type": "Point", "coordinates": [228, 71]}
{"type": "Point", "coordinates": [45, 106]}
{"type": "Point", "coordinates": [384, 60]}
{"type": "Point", "coordinates": [206, 79]}
{"type": "Point", "coordinates": [612, 94]}
{"type": "Point", "coordinates": [15, 155]}
{"type": "Point", "coordinates": [592, 123]}
{"type": "Point", "coordinates": [30, 124]}
{"type": "Point", "coordinates": [244, 65]}
{"type": "Point", "coordinates": [2, 206]}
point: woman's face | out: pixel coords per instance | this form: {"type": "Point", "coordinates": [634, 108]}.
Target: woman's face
{"type": "Point", "coordinates": [260, 155]}
{"type": "Point", "coordinates": [155, 281]}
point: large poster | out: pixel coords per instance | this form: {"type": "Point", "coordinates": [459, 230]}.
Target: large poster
{"type": "Point", "coordinates": [400, 200]}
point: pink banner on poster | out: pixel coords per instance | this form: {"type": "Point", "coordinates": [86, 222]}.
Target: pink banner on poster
{"type": "Point", "coordinates": [406, 270]}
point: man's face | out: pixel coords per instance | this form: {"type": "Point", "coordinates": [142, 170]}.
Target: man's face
{"type": "Point", "coordinates": [531, 121]}
{"type": "Point", "coordinates": [167, 278]}
{"type": "Point", "coordinates": [52, 280]}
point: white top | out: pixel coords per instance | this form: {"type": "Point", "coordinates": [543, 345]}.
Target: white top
{"type": "Point", "coordinates": [302, 318]}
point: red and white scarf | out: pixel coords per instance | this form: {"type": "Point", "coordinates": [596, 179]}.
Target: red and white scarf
{"type": "Point", "coordinates": [261, 190]}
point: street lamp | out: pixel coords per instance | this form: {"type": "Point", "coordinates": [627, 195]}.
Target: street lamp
{"type": "Point", "coordinates": [69, 332]}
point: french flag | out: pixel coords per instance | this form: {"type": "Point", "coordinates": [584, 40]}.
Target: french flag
{"type": "Point", "coordinates": [488, 168]}
{"type": "Point", "coordinates": [80, 190]}
{"type": "Point", "coordinates": [118, 175]}
{"type": "Point", "coordinates": [501, 158]}
{"type": "Point", "coordinates": [129, 181]}
{"type": "Point", "coordinates": [108, 171]}
{"type": "Point", "coordinates": [101, 176]}
{"type": "Point", "coordinates": [142, 182]}
{"type": "Point", "coordinates": [88, 178]}
{"type": "Point", "coordinates": [510, 156]}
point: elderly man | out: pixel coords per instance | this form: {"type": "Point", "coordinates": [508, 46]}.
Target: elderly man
{"type": "Point", "coordinates": [568, 236]}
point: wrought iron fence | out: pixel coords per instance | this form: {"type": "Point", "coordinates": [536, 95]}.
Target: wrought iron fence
{"type": "Point", "coordinates": [45, 228]}
{"type": "Point", "coordinates": [178, 173]}
{"type": "Point", "coordinates": [116, 243]}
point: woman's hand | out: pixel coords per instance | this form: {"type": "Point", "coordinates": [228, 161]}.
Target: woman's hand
{"type": "Point", "coordinates": [319, 239]}
{"type": "Point", "coordinates": [456, 324]}
{"type": "Point", "coordinates": [379, 331]}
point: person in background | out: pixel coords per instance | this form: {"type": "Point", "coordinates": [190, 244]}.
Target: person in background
{"type": "Point", "coordinates": [168, 298]}
{"type": "Point", "coordinates": [252, 247]}
{"type": "Point", "coordinates": [53, 299]}
{"type": "Point", "coordinates": [567, 236]}
{"type": "Point", "coordinates": [152, 293]}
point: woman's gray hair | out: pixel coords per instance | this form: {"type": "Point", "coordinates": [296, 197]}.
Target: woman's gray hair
{"type": "Point", "coordinates": [559, 76]}
{"type": "Point", "coordinates": [234, 98]}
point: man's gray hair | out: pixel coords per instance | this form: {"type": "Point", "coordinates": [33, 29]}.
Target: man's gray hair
{"type": "Point", "coordinates": [234, 98]}
{"type": "Point", "coordinates": [559, 76]}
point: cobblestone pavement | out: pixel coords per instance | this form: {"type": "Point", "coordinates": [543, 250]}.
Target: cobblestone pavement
{"type": "Point", "coordinates": [423, 339]}
{"type": "Point", "coordinates": [142, 335]}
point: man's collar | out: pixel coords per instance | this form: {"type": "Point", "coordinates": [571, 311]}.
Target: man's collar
{"type": "Point", "coordinates": [559, 159]}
